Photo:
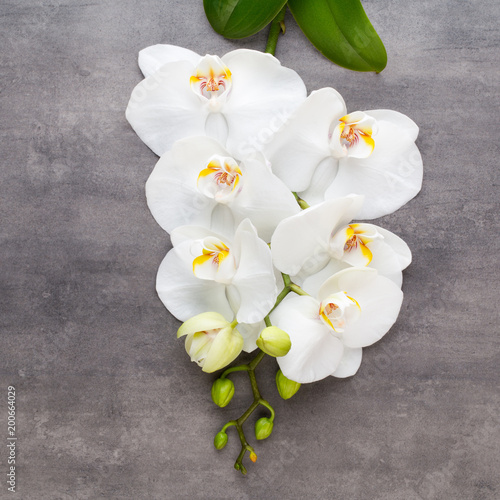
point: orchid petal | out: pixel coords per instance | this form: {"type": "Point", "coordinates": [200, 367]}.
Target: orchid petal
{"type": "Point", "coordinates": [398, 245]}
{"type": "Point", "coordinates": [379, 300]}
{"type": "Point", "coordinates": [323, 176]}
{"type": "Point", "coordinates": [225, 348]}
{"type": "Point", "coordinates": [254, 278]}
{"type": "Point", "coordinates": [190, 233]}
{"type": "Point", "coordinates": [152, 58]}
{"type": "Point", "coordinates": [303, 239]}
{"type": "Point", "coordinates": [350, 362]}
{"type": "Point", "coordinates": [223, 221]}
{"type": "Point", "coordinates": [263, 95]}
{"type": "Point", "coordinates": [163, 108]}
{"type": "Point", "coordinates": [204, 321]}
{"type": "Point", "coordinates": [216, 127]}
{"type": "Point", "coordinates": [315, 352]}
{"type": "Point", "coordinates": [183, 294]}
{"type": "Point", "coordinates": [264, 198]}
{"type": "Point", "coordinates": [312, 283]}
{"type": "Point", "coordinates": [402, 122]}
{"type": "Point", "coordinates": [385, 261]}
{"type": "Point", "coordinates": [302, 143]}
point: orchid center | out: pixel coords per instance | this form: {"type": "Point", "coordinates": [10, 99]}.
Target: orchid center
{"type": "Point", "coordinates": [339, 310]}
{"type": "Point", "coordinates": [220, 179]}
{"type": "Point", "coordinates": [352, 244]}
{"type": "Point", "coordinates": [211, 78]}
{"type": "Point", "coordinates": [352, 136]}
{"type": "Point", "coordinates": [216, 261]}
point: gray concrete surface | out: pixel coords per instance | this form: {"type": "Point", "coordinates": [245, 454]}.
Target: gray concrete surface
{"type": "Point", "coordinates": [109, 405]}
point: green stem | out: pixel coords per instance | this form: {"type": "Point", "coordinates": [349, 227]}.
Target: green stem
{"type": "Point", "coordinates": [257, 401]}
{"type": "Point", "coordinates": [229, 424]}
{"type": "Point", "coordinates": [286, 290]}
{"type": "Point", "coordinates": [241, 368]}
{"type": "Point", "coordinates": [277, 25]}
{"type": "Point", "coordinates": [255, 361]}
{"type": "Point", "coordinates": [269, 407]}
{"type": "Point", "coordinates": [296, 289]}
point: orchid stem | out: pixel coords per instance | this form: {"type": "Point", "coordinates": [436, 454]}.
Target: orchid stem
{"type": "Point", "coordinates": [257, 401]}
{"type": "Point", "coordinates": [296, 289]}
{"type": "Point", "coordinates": [289, 287]}
{"type": "Point", "coordinates": [240, 368]}
{"type": "Point", "coordinates": [277, 26]}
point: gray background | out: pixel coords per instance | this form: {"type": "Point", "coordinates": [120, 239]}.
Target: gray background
{"type": "Point", "coordinates": [109, 405]}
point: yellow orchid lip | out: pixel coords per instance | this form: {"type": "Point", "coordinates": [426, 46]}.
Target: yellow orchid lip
{"type": "Point", "coordinates": [220, 179]}
{"type": "Point", "coordinates": [211, 77]}
{"type": "Point", "coordinates": [353, 135]}
{"type": "Point", "coordinates": [336, 311]}
{"type": "Point", "coordinates": [351, 244]}
{"type": "Point", "coordinates": [357, 240]}
{"type": "Point", "coordinates": [215, 252]}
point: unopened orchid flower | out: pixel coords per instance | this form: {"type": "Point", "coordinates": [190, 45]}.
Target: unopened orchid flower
{"type": "Point", "coordinates": [322, 240]}
{"type": "Point", "coordinates": [206, 271]}
{"type": "Point", "coordinates": [324, 153]}
{"type": "Point", "coordinates": [239, 99]}
{"type": "Point", "coordinates": [199, 183]}
{"type": "Point", "coordinates": [353, 309]}
{"type": "Point", "coordinates": [212, 342]}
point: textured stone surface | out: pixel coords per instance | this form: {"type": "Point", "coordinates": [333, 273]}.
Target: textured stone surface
{"type": "Point", "coordinates": [109, 406]}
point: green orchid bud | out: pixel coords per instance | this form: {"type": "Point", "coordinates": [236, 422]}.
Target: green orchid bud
{"type": "Point", "coordinates": [211, 341]}
{"type": "Point", "coordinates": [220, 440]}
{"type": "Point", "coordinates": [263, 428]}
{"type": "Point", "coordinates": [222, 392]}
{"type": "Point", "coordinates": [286, 387]}
{"type": "Point", "coordinates": [274, 341]}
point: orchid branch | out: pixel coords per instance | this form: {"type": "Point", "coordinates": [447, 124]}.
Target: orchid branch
{"type": "Point", "coordinates": [277, 26]}
{"type": "Point", "coordinates": [257, 401]}
{"type": "Point", "coordinates": [289, 287]}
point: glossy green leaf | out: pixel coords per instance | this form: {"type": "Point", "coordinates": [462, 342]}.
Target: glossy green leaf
{"type": "Point", "coordinates": [241, 18]}
{"type": "Point", "coordinates": [342, 32]}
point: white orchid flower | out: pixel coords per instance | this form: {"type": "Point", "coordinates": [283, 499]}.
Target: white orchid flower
{"type": "Point", "coordinates": [239, 99]}
{"type": "Point", "coordinates": [199, 183]}
{"type": "Point", "coordinates": [324, 153]}
{"type": "Point", "coordinates": [322, 240]}
{"type": "Point", "coordinates": [353, 309]}
{"type": "Point", "coordinates": [205, 271]}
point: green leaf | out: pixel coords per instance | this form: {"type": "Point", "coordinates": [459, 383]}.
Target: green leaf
{"type": "Point", "coordinates": [342, 32]}
{"type": "Point", "coordinates": [241, 18]}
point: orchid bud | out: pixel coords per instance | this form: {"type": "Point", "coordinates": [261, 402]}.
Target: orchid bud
{"type": "Point", "coordinates": [222, 392]}
{"type": "Point", "coordinates": [263, 428]}
{"type": "Point", "coordinates": [211, 341]}
{"type": "Point", "coordinates": [286, 387]}
{"type": "Point", "coordinates": [274, 341]}
{"type": "Point", "coordinates": [220, 440]}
